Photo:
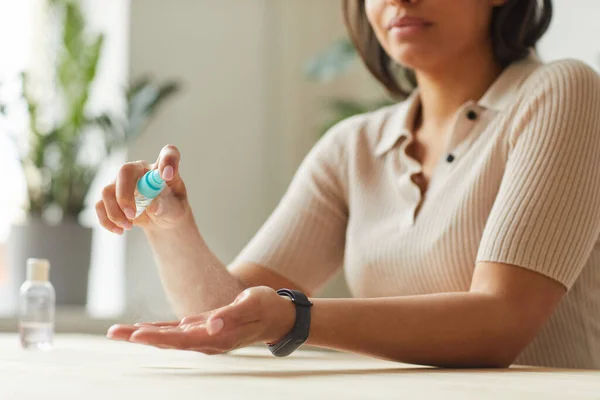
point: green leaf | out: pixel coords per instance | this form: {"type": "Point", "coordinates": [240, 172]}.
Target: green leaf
{"type": "Point", "coordinates": [144, 100]}
{"type": "Point", "coordinates": [332, 62]}
{"type": "Point", "coordinates": [40, 144]}
{"type": "Point", "coordinates": [73, 27]}
{"type": "Point", "coordinates": [165, 91]}
{"type": "Point", "coordinates": [113, 129]}
{"type": "Point", "coordinates": [136, 86]}
{"type": "Point", "coordinates": [93, 56]}
{"type": "Point", "coordinates": [104, 121]}
{"type": "Point", "coordinates": [37, 138]}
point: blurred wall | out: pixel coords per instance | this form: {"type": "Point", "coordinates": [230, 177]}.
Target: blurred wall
{"type": "Point", "coordinates": [574, 32]}
{"type": "Point", "coordinates": [246, 117]}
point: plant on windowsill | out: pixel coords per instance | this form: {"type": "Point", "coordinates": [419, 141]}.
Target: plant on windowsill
{"type": "Point", "coordinates": [62, 157]}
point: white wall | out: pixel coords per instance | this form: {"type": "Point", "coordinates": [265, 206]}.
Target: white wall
{"type": "Point", "coordinates": [574, 32]}
{"type": "Point", "coordinates": [245, 119]}
{"type": "Point", "coordinates": [217, 53]}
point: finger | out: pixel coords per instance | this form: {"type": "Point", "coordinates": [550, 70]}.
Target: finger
{"type": "Point", "coordinates": [156, 208]}
{"type": "Point", "coordinates": [160, 324]}
{"type": "Point", "coordinates": [161, 204]}
{"type": "Point", "coordinates": [175, 337]}
{"type": "Point", "coordinates": [114, 212]}
{"type": "Point", "coordinates": [168, 162]}
{"type": "Point", "coordinates": [165, 209]}
{"type": "Point", "coordinates": [168, 208]}
{"type": "Point", "coordinates": [121, 332]}
{"type": "Point", "coordinates": [105, 221]}
{"type": "Point", "coordinates": [242, 311]}
{"type": "Point", "coordinates": [124, 332]}
{"type": "Point", "coordinates": [185, 321]}
{"type": "Point", "coordinates": [127, 179]}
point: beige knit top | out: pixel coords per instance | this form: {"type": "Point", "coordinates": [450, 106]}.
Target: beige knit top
{"type": "Point", "coordinates": [523, 189]}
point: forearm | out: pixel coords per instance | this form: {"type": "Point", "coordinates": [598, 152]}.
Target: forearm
{"type": "Point", "coordinates": [447, 329]}
{"type": "Point", "coordinates": [193, 277]}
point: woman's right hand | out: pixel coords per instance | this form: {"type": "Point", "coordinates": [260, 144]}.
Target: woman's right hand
{"type": "Point", "coordinates": [116, 211]}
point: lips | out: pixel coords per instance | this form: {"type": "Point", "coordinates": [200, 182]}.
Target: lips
{"type": "Point", "coordinates": [408, 21]}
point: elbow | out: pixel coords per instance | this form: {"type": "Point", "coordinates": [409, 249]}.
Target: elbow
{"type": "Point", "coordinates": [498, 361]}
{"type": "Point", "coordinates": [505, 355]}
{"type": "Point", "coordinates": [467, 356]}
{"type": "Point", "coordinates": [492, 352]}
{"type": "Point", "coordinates": [497, 353]}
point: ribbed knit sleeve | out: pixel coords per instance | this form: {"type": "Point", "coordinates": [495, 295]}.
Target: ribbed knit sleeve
{"type": "Point", "coordinates": [304, 238]}
{"type": "Point", "coordinates": [546, 216]}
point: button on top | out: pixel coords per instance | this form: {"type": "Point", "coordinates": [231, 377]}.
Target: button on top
{"type": "Point", "coordinates": [450, 158]}
{"type": "Point", "coordinates": [472, 115]}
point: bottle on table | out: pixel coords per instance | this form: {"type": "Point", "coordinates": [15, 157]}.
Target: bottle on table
{"type": "Point", "coordinates": [148, 187]}
{"type": "Point", "coordinates": [37, 301]}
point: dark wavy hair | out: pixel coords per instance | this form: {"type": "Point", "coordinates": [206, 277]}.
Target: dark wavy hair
{"type": "Point", "coordinates": [515, 28]}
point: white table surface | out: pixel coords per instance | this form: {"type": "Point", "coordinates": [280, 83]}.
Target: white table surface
{"type": "Point", "coordinates": [91, 367]}
{"type": "Point", "coordinates": [69, 320]}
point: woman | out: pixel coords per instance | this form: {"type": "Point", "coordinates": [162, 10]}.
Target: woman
{"type": "Point", "coordinates": [467, 217]}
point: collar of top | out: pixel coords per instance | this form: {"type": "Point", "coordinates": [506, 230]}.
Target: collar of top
{"type": "Point", "coordinates": [498, 97]}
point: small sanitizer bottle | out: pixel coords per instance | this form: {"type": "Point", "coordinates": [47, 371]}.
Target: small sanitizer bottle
{"type": "Point", "coordinates": [148, 187]}
{"type": "Point", "coordinates": [36, 307]}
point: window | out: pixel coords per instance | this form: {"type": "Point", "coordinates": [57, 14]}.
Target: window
{"type": "Point", "coordinates": [21, 48]}
{"type": "Point", "coordinates": [16, 37]}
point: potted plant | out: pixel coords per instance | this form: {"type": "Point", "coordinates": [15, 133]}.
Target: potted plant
{"type": "Point", "coordinates": [56, 162]}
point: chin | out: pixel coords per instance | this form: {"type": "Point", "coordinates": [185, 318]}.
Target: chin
{"type": "Point", "coordinates": [416, 59]}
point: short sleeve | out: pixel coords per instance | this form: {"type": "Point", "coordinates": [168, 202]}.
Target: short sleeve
{"type": "Point", "coordinates": [304, 238]}
{"type": "Point", "coordinates": [546, 216]}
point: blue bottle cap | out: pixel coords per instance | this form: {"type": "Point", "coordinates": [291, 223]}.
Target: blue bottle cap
{"type": "Point", "coordinates": [151, 184]}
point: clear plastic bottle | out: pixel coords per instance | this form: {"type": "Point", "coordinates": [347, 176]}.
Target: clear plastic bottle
{"type": "Point", "coordinates": [148, 187]}
{"type": "Point", "coordinates": [36, 307]}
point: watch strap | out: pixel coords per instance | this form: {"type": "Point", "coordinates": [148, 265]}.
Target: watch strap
{"type": "Point", "coordinates": [299, 333]}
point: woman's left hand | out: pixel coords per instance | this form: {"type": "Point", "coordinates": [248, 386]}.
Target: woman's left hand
{"type": "Point", "coordinates": [257, 314]}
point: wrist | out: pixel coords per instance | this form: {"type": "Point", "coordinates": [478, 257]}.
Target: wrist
{"type": "Point", "coordinates": [285, 318]}
{"type": "Point", "coordinates": [291, 341]}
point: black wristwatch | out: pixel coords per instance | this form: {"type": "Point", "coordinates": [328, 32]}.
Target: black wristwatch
{"type": "Point", "coordinates": [299, 334]}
